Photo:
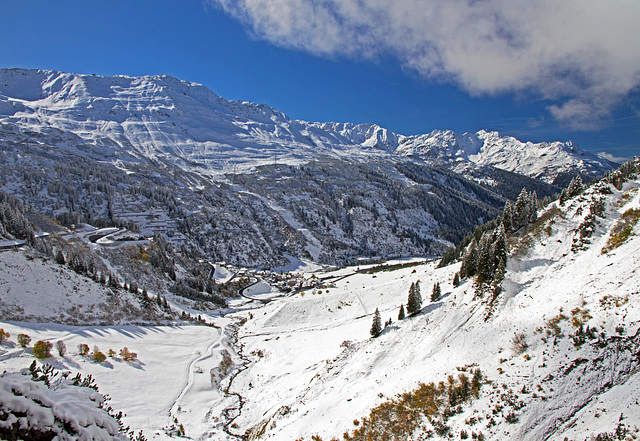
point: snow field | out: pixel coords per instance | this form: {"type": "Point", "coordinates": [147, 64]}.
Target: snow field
{"type": "Point", "coordinates": [314, 368]}
{"type": "Point", "coordinates": [170, 378]}
{"type": "Point", "coordinates": [303, 382]}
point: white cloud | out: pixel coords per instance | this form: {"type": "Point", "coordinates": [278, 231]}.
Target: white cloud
{"type": "Point", "coordinates": [581, 54]}
{"type": "Point", "coordinates": [611, 157]}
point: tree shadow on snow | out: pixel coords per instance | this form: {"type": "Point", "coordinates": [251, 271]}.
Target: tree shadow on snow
{"type": "Point", "coordinates": [131, 331]}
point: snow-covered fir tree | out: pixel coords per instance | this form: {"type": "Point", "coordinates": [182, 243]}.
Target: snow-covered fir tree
{"type": "Point", "coordinates": [401, 313]}
{"type": "Point", "coordinates": [414, 302]}
{"type": "Point", "coordinates": [376, 326]}
{"type": "Point", "coordinates": [436, 293]}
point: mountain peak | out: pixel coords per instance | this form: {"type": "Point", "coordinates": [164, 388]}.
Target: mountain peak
{"type": "Point", "coordinates": [162, 117]}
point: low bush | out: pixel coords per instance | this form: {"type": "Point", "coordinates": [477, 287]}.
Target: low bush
{"type": "Point", "coordinates": [24, 340]}
{"type": "Point", "coordinates": [4, 336]}
{"type": "Point", "coordinates": [42, 349]}
{"type": "Point", "coordinates": [99, 357]}
{"type": "Point", "coordinates": [83, 349]}
{"type": "Point", "coordinates": [128, 355]}
{"type": "Point", "coordinates": [519, 343]}
{"type": "Point", "coordinates": [61, 347]}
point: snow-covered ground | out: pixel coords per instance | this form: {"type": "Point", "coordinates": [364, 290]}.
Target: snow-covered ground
{"type": "Point", "coordinates": [171, 377]}
{"type": "Point", "coordinates": [315, 370]}
{"type": "Point", "coordinates": [305, 363]}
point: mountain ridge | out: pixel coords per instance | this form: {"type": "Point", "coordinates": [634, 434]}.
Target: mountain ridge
{"type": "Point", "coordinates": [158, 115]}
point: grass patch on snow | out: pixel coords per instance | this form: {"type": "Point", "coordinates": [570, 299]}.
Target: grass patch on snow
{"type": "Point", "coordinates": [401, 417]}
{"type": "Point", "coordinates": [622, 230]}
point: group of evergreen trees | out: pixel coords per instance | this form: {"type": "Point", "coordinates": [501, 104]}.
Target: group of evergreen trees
{"type": "Point", "coordinates": [414, 306]}
{"type": "Point", "coordinates": [575, 188]}
{"type": "Point", "coordinates": [522, 213]}
{"type": "Point", "coordinates": [13, 220]}
{"type": "Point", "coordinates": [414, 302]}
{"type": "Point", "coordinates": [484, 253]}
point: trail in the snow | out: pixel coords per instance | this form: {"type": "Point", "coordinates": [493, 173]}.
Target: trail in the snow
{"type": "Point", "coordinates": [191, 375]}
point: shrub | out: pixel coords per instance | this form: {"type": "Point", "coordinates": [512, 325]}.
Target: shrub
{"type": "Point", "coordinates": [519, 343]}
{"type": "Point", "coordinates": [579, 316]}
{"type": "Point", "coordinates": [83, 349]}
{"type": "Point", "coordinates": [24, 340]}
{"type": "Point", "coordinates": [99, 357]}
{"type": "Point", "coordinates": [553, 325]}
{"type": "Point", "coordinates": [225, 364]}
{"type": "Point", "coordinates": [4, 336]}
{"type": "Point", "coordinates": [128, 355]}
{"type": "Point", "coordinates": [400, 417]}
{"type": "Point", "coordinates": [622, 230]}
{"type": "Point", "coordinates": [111, 353]}
{"type": "Point", "coordinates": [42, 349]}
{"type": "Point", "coordinates": [61, 347]}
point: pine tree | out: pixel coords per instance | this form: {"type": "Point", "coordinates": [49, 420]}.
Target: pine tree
{"type": "Point", "coordinates": [498, 277]}
{"type": "Point", "coordinates": [485, 259]}
{"type": "Point", "coordinates": [436, 293]}
{"type": "Point", "coordinates": [563, 196]}
{"type": "Point", "coordinates": [521, 210]}
{"type": "Point", "coordinates": [507, 214]}
{"type": "Point", "coordinates": [575, 187]}
{"type": "Point", "coordinates": [376, 326]}
{"type": "Point", "coordinates": [470, 260]}
{"type": "Point", "coordinates": [60, 258]}
{"type": "Point", "coordinates": [500, 246]}
{"type": "Point", "coordinates": [414, 303]}
{"type": "Point", "coordinates": [533, 208]}
{"type": "Point", "coordinates": [456, 279]}
{"type": "Point", "coordinates": [401, 313]}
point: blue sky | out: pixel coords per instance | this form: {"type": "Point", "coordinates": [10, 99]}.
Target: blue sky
{"type": "Point", "coordinates": [342, 61]}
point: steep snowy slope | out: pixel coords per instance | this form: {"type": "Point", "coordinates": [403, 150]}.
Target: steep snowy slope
{"type": "Point", "coordinates": [35, 289]}
{"type": "Point", "coordinates": [559, 352]}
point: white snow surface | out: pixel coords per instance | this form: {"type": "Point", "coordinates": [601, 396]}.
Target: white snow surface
{"type": "Point", "coordinates": [163, 119]}
{"type": "Point", "coordinates": [313, 368]}
{"type": "Point", "coordinates": [51, 408]}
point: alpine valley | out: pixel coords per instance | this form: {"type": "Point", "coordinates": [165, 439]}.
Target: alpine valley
{"type": "Point", "coordinates": [214, 267]}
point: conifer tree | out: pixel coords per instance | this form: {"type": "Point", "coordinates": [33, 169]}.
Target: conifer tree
{"type": "Point", "coordinates": [507, 214]}
{"type": "Point", "coordinates": [563, 196]}
{"type": "Point", "coordinates": [533, 207]}
{"type": "Point", "coordinates": [401, 314]}
{"type": "Point", "coordinates": [436, 293]}
{"type": "Point", "coordinates": [498, 277]}
{"type": "Point", "coordinates": [575, 187]}
{"type": "Point", "coordinates": [456, 279]}
{"type": "Point", "coordinates": [113, 281]}
{"type": "Point", "coordinates": [469, 261]}
{"type": "Point", "coordinates": [60, 258]}
{"type": "Point", "coordinates": [521, 210]}
{"type": "Point", "coordinates": [500, 246]}
{"type": "Point", "coordinates": [376, 326]}
{"type": "Point", "coordinates": [485, 259]}
{"type": "Point", "coordinates": [414, 303]}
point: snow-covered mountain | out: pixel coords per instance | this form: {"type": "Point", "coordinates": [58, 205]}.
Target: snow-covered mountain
{"type": "Point", "coordinates": [166, 120]}
{"type": "Point", "coordinates": [163, 119]}
{"type": "Point", "coordinates": [545, 160]}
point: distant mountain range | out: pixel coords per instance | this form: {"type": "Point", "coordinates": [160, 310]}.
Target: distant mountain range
{"type": "Point", "coordinates": [161, 118]}
{"type": "Point", "coordinates": [244, 182]}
